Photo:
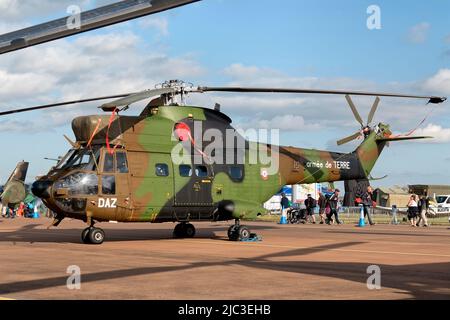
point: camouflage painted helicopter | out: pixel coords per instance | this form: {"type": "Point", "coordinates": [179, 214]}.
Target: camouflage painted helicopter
{"type": "Point", "coordinates": [123, 168]}
{"type": "Point", "coordinates": [14, 191]}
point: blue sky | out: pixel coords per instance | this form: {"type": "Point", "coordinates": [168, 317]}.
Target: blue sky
{"type": "Point", "coordinates": [321, 44]}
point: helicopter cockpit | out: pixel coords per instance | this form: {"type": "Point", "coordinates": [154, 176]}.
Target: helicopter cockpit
{"type": "Point", "coordinates": [85, 159]}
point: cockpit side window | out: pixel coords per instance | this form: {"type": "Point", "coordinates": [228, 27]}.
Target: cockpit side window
{"type": "Point", "coordinates": [109, 185]}
{"type": "Point", "coordinates": [121, 162]}
{"type": "Point", "coordinates": [84, 159]}
{"type": "Point", "coordinates": [108, 164]}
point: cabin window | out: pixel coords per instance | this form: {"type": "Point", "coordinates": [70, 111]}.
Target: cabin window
{"type": "Point", "coordinates": [236, 173]}
{"type": "Point", "coordinates": [201, 171]}
{"type": "Point", "coordinates": [185, 170]}
{"type": "Point", "coordinates": [121, 162]}
{"type": "Point", "coordinates": [108, 184]}
{"type": "Point", "coordinates": [162, 170]}
{"type": "Point", "coordinates": [108, 164]}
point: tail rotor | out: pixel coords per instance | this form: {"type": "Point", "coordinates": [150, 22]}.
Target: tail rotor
{"type": "Point", "coordinates": [365, 128]}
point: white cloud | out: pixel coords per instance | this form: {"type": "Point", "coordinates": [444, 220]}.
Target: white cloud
{"type": "Point", "coordinates": [20, 10]}
{"type": "Point", "coordinates": [158, 23]}
{"type": "Point", "coordinates": [418, 34]}
{"type": "Point", "coordinates": [439, 134]}
{"type": "Point", "coordinates": [92, 65]}
{"type": "Point", "coordinates": [20, 85]}
{"type": "Point", "coordinates": [318, 111]}
{"type": "Point", "coordinates": [439, 83]}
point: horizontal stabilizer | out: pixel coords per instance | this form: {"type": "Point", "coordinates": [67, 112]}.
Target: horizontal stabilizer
{"type": "Point", "coordinates": [403, 138]}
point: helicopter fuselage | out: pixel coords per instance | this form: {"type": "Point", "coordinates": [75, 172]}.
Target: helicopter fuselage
{"type": "Point", "coordinates": [178, 163]}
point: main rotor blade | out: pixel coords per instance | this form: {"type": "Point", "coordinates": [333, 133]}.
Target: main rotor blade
{"type": "Point", "coordinates": [46, 106]}
{"type": "Point", "coordinates": [89, 20]}
{"type": "Point", "coordinates": [349, 138]}
{"type": "Point", "coordinates": [135, 98]}
{"type": "Point", "coordinates": [373, 110]}
{"type": "Point", "coordinates": [432, 99]}
{"type": "Point", "coordinates": [354, 110]}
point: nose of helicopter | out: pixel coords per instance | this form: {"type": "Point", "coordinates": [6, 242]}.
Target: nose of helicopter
{"type": "Point", "coordinates": [41, 188]}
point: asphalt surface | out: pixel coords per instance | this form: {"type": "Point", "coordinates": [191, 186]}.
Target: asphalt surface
{"type": "Point", "coordinates": [143, 261]}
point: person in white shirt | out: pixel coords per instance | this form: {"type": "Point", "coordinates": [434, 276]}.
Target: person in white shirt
{"type": "Point", "coordinates": [413, 210]}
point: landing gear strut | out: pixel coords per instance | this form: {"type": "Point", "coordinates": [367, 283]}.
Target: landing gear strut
{"type": "Point", "coordinates": [184, 230]}
{"type": "Point", "coordinates": [92, 235]}
{"type": "Point", "coordinates": [237, 232]}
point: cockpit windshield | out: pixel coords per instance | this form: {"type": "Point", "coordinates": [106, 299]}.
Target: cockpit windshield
{"type": "Point", "coordinates": [83, 159]}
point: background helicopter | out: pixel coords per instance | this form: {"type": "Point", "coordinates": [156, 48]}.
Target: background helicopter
{"type": "Point", "coordinates": [14, 191]}
{"type": "Point", "coordinates": [122, 168]}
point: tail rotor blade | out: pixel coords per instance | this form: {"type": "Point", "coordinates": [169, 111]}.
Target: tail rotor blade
{"type": "Point", "coordinates": [349, 138]}
{"type": "Point", "coordinates": [373, 110]}
{"type": "Point", "coordinates": [354, 110]}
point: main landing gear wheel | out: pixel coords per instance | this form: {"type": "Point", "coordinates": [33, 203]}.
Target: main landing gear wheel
{"type": "Point", "coordinates": [238, 232]}
{"type": "Point", "coordinates": [184, 230]}
{"type": "Point", "coordinates": [93, 235]}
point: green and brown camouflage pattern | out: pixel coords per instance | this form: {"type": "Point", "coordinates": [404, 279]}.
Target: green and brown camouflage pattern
{"type": "Point", "coordinates": [147, 140]}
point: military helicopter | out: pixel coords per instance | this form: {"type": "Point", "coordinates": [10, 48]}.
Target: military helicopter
{"type": "Point", "coordinates": [14, 190]}
{"type": "Point", "coordinates": [129, 168]}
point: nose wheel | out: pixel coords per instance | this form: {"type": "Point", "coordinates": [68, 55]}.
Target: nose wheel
{"type": "Point", "coordinates": [184, 230]}
{"type": "Point", "coordinates": [238, 233]}
{"type": "Point", "coordinates": [93, 235]}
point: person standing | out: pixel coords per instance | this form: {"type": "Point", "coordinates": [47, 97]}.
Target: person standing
{"type": "Point", "coordinates": [394, 214]}
{"type": "Point", "coordinates": [310, 204]}
{"type": "Point", "coordinates": [322, 204]}
{"type": "Point", "coordinates": [423, 206]}
{"type": "Point", "coordinates": [413, 210]}
{"type": "Point", "coordinates": [367, 201]}
{"type": "Point", "coordinates": [285, 205]}
{"type": "Point", "coordinates": [333, 203]}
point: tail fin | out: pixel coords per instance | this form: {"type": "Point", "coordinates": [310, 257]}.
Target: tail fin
{"type": "Point", "coordinates": [20, 172]}
{"type": "Point", "coordinates": [369, 151]}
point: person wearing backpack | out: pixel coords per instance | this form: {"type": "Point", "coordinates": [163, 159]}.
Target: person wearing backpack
{"type": "Point", "coordinates": [310, 204]}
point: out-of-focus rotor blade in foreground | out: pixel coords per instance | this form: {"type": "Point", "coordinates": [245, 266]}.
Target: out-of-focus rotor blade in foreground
{"type": "Point", "coordinates": [89, 20]}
